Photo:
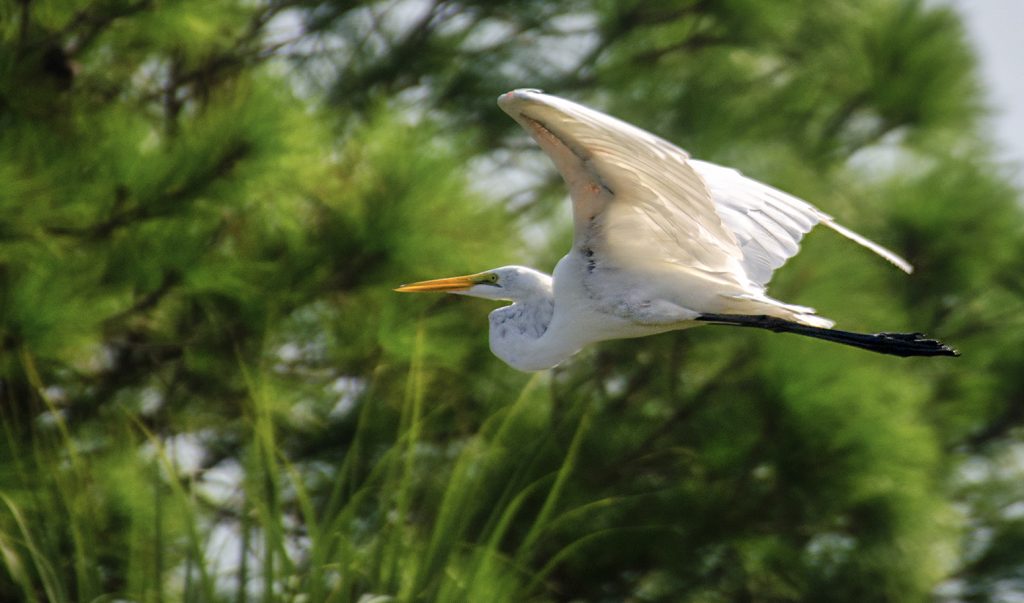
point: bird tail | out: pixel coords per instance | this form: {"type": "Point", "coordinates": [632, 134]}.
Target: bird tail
{"type": "Point", "coordinates": [779, 309]}
{"type": "Point", "coordinates": [896, 344]}
{"type": "Point", "coordinates": [813, 320]}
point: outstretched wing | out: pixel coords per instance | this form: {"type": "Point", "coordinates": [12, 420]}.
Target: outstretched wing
{"type": "Point", "coordinates": [637, 200]}
{"type": "Point", "coordinates": [645, 208]}
{"type": "Point", "coordinates": [768, 223]}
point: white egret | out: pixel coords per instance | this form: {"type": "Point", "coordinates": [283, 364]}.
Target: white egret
{"type": "Point", "coordinates": [661, 242]}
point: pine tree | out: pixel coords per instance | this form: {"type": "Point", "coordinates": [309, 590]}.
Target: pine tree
{"type": "Point", "coordinates": [203, 207]}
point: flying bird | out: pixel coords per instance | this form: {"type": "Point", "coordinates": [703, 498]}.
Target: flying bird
{"type": "Point", "coordinates": [661, 242]}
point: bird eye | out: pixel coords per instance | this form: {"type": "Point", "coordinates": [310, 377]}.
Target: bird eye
{"type": "Point", "coordinates": [492, 278]}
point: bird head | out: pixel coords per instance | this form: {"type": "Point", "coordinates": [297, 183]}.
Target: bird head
{"type": "Point", "coordinates": [505, 283]}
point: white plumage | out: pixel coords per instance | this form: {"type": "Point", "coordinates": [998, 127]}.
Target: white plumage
{"type": "Point", "coordinates": [661, 242]}
{"type": "Point", "coordinates": [768, 223]}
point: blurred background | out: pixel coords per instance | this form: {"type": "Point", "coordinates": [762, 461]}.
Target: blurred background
{"type": "Point", "coordinates": [209, 391]}
{"type": "Point", "coordinates": [991, 26]}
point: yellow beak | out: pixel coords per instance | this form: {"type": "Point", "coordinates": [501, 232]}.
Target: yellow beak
{"type": "Point", "coordinates": [455, 283]}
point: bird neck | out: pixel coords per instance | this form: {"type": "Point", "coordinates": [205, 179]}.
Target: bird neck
{"type": "Point", "coordinates": [521, 335]}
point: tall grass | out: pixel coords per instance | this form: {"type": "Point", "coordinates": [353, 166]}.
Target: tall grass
{"type": "Point", "coordinates": [108, 515]}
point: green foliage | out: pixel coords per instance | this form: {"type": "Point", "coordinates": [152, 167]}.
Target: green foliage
{"type": "Point", "coordinates": [209, 392]}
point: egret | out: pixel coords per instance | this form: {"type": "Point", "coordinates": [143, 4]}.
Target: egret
{"type": "Point", "coordinates": [661, 242]}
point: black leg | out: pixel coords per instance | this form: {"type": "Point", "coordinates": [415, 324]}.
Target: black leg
{"type": "Point", "coordinates": [897, 344]}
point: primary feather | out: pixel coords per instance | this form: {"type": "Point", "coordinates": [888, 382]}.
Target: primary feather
{"type": "Point", "coordinates": [768, 223]}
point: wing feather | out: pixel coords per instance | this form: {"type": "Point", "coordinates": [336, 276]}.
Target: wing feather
{"type": "Point", "coordinates": [769, 223]}
{"type": "Point", "coordinates": [648, 210]}
{"type": "Point", "coordinates": [637, 199]}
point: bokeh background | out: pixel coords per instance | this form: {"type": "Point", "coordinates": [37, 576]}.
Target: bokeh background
{"type": "Point", "coordinates": [991, 28]}
{"type": "Point", "coordinates": [209, 391]}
